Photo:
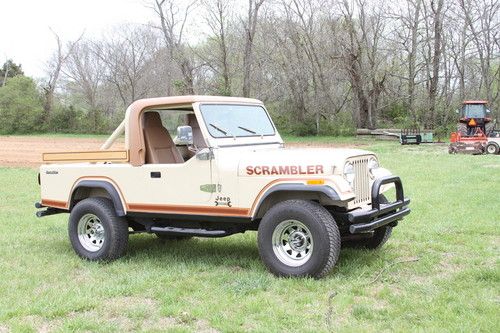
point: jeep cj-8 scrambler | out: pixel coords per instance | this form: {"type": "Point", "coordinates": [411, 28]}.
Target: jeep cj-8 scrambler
{"type": "Point", "coordinates": [226, 171]}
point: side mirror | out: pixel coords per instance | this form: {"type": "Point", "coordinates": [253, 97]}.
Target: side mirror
{"type": "Point", "coordinates": [488, 111]}
{"type": "Point", "coordinates": [457, 111]}
{"type": "Point", "coordinates": [184, 136]}
{"type": "Point", "coordinates": [205, 154]}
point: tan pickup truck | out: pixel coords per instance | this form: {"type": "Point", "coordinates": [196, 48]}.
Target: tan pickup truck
{"type": "Point", "coordinates": [209, 166]}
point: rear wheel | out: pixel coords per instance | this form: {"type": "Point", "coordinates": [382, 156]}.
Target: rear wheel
{"type": "Point", "coordinates": [489, 127]}
{"type": "Point", "coordinates": [462, 129]}
{"type": "Point", "coordinates": [492, 148]}
{"type": "Point", "coordinates": [96, 232]}
{"type": "Point", "coordinates": [298, 238]}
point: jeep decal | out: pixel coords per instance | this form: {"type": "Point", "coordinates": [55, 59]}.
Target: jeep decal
{"type": "Point", "coordinates": [223, 201]}
{"type": "Point", "coordinates": [285, 170]}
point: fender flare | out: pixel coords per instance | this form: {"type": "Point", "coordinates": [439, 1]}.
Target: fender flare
{"type": "Point", "coordinates": [297, 187]}
{"type": "Point", "coordinates": [105, 185]}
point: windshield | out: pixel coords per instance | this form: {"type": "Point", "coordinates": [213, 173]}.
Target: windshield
{"type": "Point", "coordinates": [226, 120]}
{"type": "Point", "coordinates": [474, 111]}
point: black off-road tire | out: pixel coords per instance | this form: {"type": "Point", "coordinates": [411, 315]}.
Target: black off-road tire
{"type": "Point", "coordinates": [379, 238]}
{"type": "Point", "coordinates": [114, 244]}
{"type": "Point", "coordinates": [164, 237]}
{"type": "Point", "coordinates": [322, 229]}
{"type": "Point", "coordinates": [489, 127]}
{"type": "Point", "coordinates": [492, 148]}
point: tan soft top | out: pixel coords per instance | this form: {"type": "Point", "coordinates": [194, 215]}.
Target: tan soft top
{"type": "Point", "coordinates": [189, 99]}
{"type": "Point", "coordinates": [134, 136]}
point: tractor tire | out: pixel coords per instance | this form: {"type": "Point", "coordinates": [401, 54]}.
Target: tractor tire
{"type": "Point", "coordinates": [96, 232]}
{"type": "Point", "coordinates": [489, 127]}
{"type": "Point", "coordinates": [462, 129]}
{"type": "Point", "coordinates": [492, 148]}
{"type": "Point", "coordinates": [298, 238]}
{"type": "Point", "coordinates": [379, 237]}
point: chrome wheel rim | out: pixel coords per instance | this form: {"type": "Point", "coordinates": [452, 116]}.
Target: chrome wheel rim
{"type": "Point", "coordinates": [292, 243]}
{"type": "Point", "coordinates": [491, 149]}
{"type": "Point", "coordinates": [91, 233]}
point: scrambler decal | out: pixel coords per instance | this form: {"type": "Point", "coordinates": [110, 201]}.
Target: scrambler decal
{"type": "Point", "coordinates": [223, 201]}
{"type": "Point", "coordinates": [285, 170]}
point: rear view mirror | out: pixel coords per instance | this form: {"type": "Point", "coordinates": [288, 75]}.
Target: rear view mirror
{"type": "Point", "coordinates": [184, 136]}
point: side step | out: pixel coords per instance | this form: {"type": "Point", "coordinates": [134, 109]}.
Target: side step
{"type": "Point", "coordinates": [190, 232]}
{"type": "Point", "coordinates": [49, 211]}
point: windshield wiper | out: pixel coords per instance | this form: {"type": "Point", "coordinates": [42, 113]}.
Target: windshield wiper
{"type": "Point", "coordinates": [246, 129]}
{"type": "Point", "coordinates": [219, 129]}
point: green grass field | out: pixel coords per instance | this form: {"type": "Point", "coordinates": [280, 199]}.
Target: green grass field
{"type": "Point", "coordinates": [439, 271]}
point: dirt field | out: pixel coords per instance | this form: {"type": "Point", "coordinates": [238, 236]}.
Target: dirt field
{"type": "Point", "coordinates": [26, 151]}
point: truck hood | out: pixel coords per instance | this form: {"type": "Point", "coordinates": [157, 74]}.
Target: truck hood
{"type": "Point", "coordinates": [305, 161]}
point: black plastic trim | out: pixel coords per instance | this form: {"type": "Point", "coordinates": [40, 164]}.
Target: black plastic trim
{"type": "Point", "coordinates": [108, 187]}
{"type": "Point", "coordinates": [299, 187]}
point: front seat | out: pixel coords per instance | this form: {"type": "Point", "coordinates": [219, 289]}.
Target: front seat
{"type": "Point", "coordinates": [160, 147]}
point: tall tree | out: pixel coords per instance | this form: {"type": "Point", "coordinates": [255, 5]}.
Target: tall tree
{"type": "Point", "coordinates": [53, 71]}
{"type": "Point", "coordinates": [217, 17]}
{"type": "Point", "coordinates": [173, 20]}
{"type": "Point", "coordinates": [9, 69]}
{"type": "Point", "coordinates": [250, 27]}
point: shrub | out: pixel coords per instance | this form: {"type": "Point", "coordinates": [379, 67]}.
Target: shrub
{"type": "Point", "coordinates": [20, 106]}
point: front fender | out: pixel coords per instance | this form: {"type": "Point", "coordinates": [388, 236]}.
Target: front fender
{"type": "Point", "coordinates": [325, 190]}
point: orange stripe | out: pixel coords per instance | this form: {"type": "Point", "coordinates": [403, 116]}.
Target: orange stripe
{"type": "Point", "coordinates": [54, 203]}
{"type": "Point", "coordinates": [194, 210]}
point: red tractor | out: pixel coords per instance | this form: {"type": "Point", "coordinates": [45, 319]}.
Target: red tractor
{"type": "Point", "coordinates": [474, 124]}
{"type": "Point", "coordinates": [473, 115]}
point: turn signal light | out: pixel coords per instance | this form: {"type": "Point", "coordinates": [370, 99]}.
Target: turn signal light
{"type": "Point", "coordinates": [316, 182]}
{"type": "Point", "coordinates": [472, 122]}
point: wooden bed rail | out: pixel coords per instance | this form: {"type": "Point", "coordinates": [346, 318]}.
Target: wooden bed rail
{"type": "Point", "coordinates": [117, 156]}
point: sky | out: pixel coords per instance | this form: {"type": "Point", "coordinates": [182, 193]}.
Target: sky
{"type": "Point", "coordinates": [25, 35]}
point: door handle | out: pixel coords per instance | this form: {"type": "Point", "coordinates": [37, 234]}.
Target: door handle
{"type": "Point", "coordinates": [155, 174]}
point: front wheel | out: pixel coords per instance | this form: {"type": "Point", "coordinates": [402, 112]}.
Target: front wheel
{"type": "Point", "coordinates": [299, 238]}
{"type": "Point", "coordinates": [377, 239]}
{"type": "Point", "coordinates": [96, 232]}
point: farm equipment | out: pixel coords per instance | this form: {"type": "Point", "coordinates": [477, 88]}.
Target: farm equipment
{"type": "Point", "coordinates": [474, 144]}
{"type": "Point", "coordinates": [474, 115]}
{"type": "Point", "coordinates": [410, 136]}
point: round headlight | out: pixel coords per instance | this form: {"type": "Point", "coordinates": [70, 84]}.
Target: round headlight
{"type": "Point", "coordinates": [349, 173]}
{"type": "Point", "coordinates": [372, 165]}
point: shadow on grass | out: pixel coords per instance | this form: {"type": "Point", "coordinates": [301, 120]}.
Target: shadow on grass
{"type": "Point", "coordinates": [237, 251]}
{"type": "Point", "coordinates": [240, 250]}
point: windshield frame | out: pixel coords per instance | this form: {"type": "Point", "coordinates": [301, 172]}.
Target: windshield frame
{"type": "Point", "coordinates": [207, 125]}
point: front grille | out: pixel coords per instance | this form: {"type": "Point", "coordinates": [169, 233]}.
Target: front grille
{"type": "Point", "coordinates": [361, 180]}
